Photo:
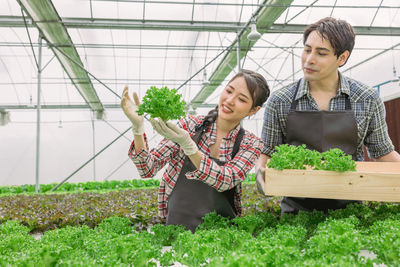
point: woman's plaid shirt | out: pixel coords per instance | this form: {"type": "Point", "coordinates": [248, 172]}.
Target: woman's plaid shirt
{"type": "Point", "coordinates": [222, 178]}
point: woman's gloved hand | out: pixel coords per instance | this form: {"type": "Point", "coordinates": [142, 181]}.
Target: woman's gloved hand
{"type": "Point", "coordinates": [175, 134]}
{"type": "Point", "coordinates": [129, 107]}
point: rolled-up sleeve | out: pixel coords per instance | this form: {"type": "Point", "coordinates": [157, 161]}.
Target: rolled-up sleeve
{"type": "Point", "coordinates": [149, 163]}
{"type": "Point", "coordinates": [271, 134]}
{"type": "Point", "coordinates": [377, 140]}
{"type": "Point", "coordinates": [232, 173]}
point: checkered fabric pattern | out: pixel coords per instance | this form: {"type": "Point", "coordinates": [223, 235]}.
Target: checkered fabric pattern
{"type": "Point", "coordinates": [222, 178]}
{"type": "Point", "coordinates": [368, 108]}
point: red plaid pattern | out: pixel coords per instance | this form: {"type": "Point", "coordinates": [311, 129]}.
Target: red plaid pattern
{"type": "Point", "coordinates": [222, 178]}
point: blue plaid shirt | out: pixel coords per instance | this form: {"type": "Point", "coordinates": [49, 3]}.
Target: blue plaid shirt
{"type": "Point", "coordinates": [368, 108]}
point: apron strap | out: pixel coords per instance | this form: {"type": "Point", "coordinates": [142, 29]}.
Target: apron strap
{"type": "Point", "coordinates": [238, 140]}
{"type": "Point", "coordinates": [347, 103]}
{"type": "Point", "coordinates": [294, 101]}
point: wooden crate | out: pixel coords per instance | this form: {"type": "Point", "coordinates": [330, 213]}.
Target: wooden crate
{"type": "Point", "coordinates": [374, 181]}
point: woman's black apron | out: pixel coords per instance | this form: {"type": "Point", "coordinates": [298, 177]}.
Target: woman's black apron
{"type": "Point", "coordinates": [190, 200]}
{"type": "Point", "coordinates": [321, 131]}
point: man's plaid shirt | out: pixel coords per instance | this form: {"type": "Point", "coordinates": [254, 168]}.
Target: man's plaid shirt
{"type": "Point", "coordinates": [222, 178]}
{"type": "Point", "coordinates": [368, 108]}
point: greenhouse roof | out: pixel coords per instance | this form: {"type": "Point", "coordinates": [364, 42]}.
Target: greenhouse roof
{"type": "Point", "coordinates": [91, 49]}
{"type": "Point", "coordinates": [87, 50]}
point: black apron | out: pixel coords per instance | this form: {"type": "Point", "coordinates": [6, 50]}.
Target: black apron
{"type": "Point", "coordinates": [321, 131]}
{"type": "Point", "coordinates": [190, 200]}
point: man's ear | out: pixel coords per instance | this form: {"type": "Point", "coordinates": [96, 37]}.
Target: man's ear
{"type": "Point", "coordinates": [342, 59]}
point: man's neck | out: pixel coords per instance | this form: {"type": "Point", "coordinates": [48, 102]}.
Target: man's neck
{"type": "Point", "coordinates": [330, 85]}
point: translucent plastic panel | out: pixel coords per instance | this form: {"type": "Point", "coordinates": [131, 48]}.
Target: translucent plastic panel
{"type": "Point", "coordinates": [72, 8]}
{"type": "Point", "coordinates": [10, 8]}
{"type": "Point", "coordinates": [60, 155]}
{"type": "Point", "coordinates": [115, 10]}
{"type": "Point", "coordinates": [172, 11]}
{"type": "Point", "coordinates": [229, 11]}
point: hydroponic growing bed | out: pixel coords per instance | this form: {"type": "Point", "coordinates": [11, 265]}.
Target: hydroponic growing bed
{"type": "Point", "coordinates": [339, 238]}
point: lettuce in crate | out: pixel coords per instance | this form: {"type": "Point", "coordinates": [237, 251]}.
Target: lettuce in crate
{"type": "Point", "coordinates": [162, 103]}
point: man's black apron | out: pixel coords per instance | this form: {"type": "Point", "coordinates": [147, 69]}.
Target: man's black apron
{"type": "Point", "coordinates": [190, 200]}
{"type": "Point", "coordinates": [321, 131]}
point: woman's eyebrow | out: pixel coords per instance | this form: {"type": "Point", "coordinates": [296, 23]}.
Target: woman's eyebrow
{"type": "Point", "coordinates": [240, 93]}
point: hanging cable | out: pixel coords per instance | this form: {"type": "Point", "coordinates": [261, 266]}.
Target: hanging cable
{"type": "Point", "coordinates": [333, 8]}
{"type": "Point", "coordinates": [376, 12]}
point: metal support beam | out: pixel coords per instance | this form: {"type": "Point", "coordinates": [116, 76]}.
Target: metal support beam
{"type": "Point", "coordinates": [133, 24]}
{"type": "Point", "coordinates": [358, 30]}
{"type": "Point", "coordinates": [39, 75]}
{"type": "Point", "coordinates": [94, 147]}
{"type": "Point", "coordinates": [4, 117]}
{"type": "Point", "coordinates": [238, 52]}
{"type": "Point", "coordinates": [178, 25]}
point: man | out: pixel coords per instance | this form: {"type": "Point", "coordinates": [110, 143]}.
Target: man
{"type": "Point", "coordinates": [325, 110]}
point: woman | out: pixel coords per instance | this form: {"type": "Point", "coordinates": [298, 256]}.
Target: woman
{"type": "Point", "coordinates": [207, 156]}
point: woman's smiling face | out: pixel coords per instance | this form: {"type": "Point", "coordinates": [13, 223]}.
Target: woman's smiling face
{"type": "Point", "coordinates": [235, 102]}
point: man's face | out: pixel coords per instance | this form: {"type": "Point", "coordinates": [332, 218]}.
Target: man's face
{"type": "Point", "coordinates": [318, 60]}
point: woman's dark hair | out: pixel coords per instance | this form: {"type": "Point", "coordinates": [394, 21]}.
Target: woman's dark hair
{"type": "Point", "coordinates": [257, 86]}
{"type": "Point", "coordinates": [339, 33]}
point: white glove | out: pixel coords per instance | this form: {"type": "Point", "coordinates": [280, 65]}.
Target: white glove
{"type": "Point", "coordinates": [175, 134]}
{"type": "Point", "coordinates": [260, 174]}
{"type": "Point", "coordinates": [129, 107]}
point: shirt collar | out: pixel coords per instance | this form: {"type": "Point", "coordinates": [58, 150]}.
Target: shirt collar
{"type": "Point", "coordinates": [232, 134]}
{"type": "Point", "coordinates": [343, 86]}
{"type": "Point", "coordinates": [304, 89]}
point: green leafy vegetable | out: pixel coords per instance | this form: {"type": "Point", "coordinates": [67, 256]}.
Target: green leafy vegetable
{"type": "Point", "coordinates": [293, 157]}
{"type": "Point", "coordinates": [336, 160]}
{"type": "Point", "coordinates": [166, 234]}
{"type": "Point", "coordinates": [299, 157]}
{"type": "Point", "coordinates": [213, 220]}
{"type": "Point", "coordinates": [162, 103]}
{"type": "Point", "coordinates": [345, 237]}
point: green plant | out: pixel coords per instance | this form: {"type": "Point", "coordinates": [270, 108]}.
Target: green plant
{"type": "Point", "coordinates": [82, 186]}
{"type": "Point", "coordinates": [213, 220]}
{"type": "Point", "coordinates": [336, 239]}
{"type": "Point", "coordinates": [116, 225]}
{"type": "Point", "coordinates": [250, 223]}
{"type": "Point", "coordinates": [293, 157]}
{"type": "Point", "coordinates": [166, 234]}
{"type": "Point", "coordinates": [299, 157]}
{"type": "Point", "coordinates": [384, 241]}
{"type": "Point", "coordinates": [336, 160]}
{"type": "Point", "coordinates": [162, 103]}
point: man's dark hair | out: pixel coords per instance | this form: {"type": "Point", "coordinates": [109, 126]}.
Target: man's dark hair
{"type": "Point", "coordinates": [339, 33]}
